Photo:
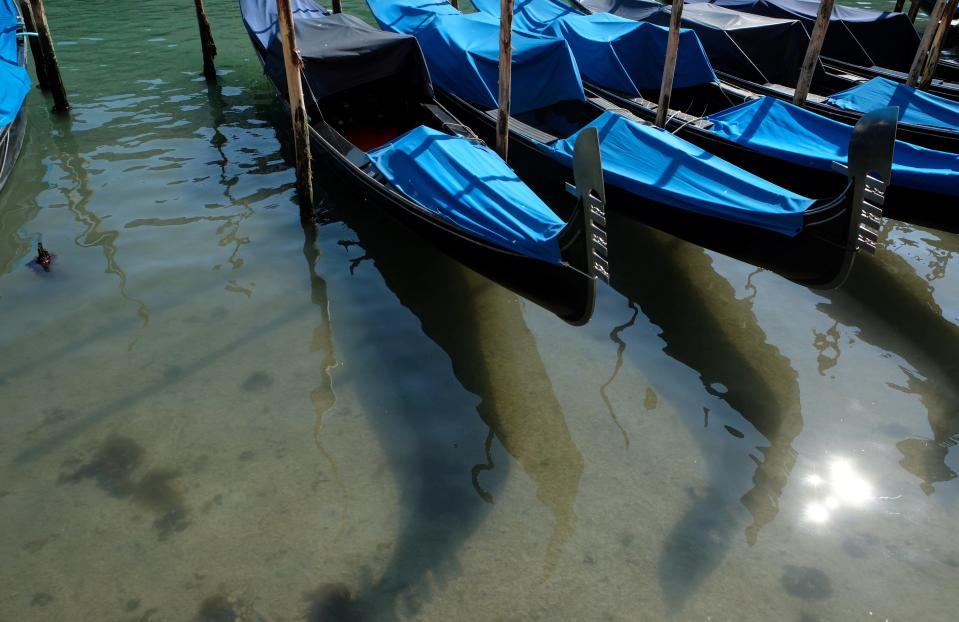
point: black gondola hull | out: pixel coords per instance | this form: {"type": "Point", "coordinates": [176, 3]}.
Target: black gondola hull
{"type": "Point", "coordinates": [562, 290]}
{"type": "Point", "coordinates": [11, 141]}
{"type": "Point", "coordinates": [921, 207]}
{"type": "Point", "coordinates": [819, 256]}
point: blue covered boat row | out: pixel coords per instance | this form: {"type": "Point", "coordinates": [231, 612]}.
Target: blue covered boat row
{"type": "Point", "coordinates": [408, 136]}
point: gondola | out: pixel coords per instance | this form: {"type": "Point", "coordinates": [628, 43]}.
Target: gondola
{"type": "Point", "coordinates": [14, 85]}
{"type": "Point", "coordinates": [925, 119]}
{"type": "Point", "coordinates": [756, 50]}
{"type": "Point", "coordinates": [375, 125]}
{"type": "Point", "coordinates": [650, 174]}
{"type": "Point", "coordinates": [882, 41]}
{"type": "Point", "coordinates": [799, 145]}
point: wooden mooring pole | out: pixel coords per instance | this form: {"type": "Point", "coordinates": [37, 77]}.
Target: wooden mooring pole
{"type": "Point", "coordinates": [812, 52]}
{"type": "Point", "coordinates": [927, 56]}
{"type": "Point", "coordinates": [914, 10]}
{"type": "Point", "coordinates": [899, 5]}
{"type": "Point", "coordinates": [48, 57]}
{"type": "Point", "coordinates": [669, 67]}
{"type": "Point", "coordinates": [301, 126]}
{"type": "Point", "coordinates": [206, 41]}
{"type": "Point", "coordinates": [39, 64]}
{"type": "Point", "coordinates": [505, 76]}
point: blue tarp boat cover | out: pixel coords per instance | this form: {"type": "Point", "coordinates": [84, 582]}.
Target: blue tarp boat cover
{"type": "Point", "coordinates": [915, 107]}
{"type": "Point", "coordinates": [752, 47]}
{"type": "Point", "coordinates": [612, 52]}
{"type": "Point", "coordinates": [858, 36]}
{"type": "Point", "coordinates": [780, 129]}
{"type": "Point", "coordinates": [652, 163]}
{"type": "Point", "coordinates": [14, 80]}
{"type": "Point", "coordinates": [462, 52]}
{"type": "Point", "coordinates": [467, 184]}
{"type": "Point", "coordinates": [640, 159]}
{"type": "Point", "coordinates": [339, 51]}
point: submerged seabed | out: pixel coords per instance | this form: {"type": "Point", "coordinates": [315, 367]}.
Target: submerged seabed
{"type": "Point", "coordinates": [207, 415]}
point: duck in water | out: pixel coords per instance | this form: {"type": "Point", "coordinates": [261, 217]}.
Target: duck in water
{"type": "Point", "coordinates": [44, 257]}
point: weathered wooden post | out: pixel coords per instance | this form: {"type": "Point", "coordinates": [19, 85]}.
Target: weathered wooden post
{"type": "Point", "coordinates": [914, 10]}
{"type": "Point", "coordinates": [935, 47]}
{"type": "Point", "coordinates": [49, 57]}
{"type": "Point", "coordinates": [336, 6]}
{"type": "Point", "coordinates": [812, 52]}
{"type": "Point", "coordinates": [899, 5]}
{"type": "Point", "coordinates": [669, 67]}
{"type": "Point", "coordinates": [206, 41]}
{"type": "Point", "coordinates": [926, 44]}
{"type": "Point", "coordinates": [39, 63]}
{"type": "Point", "coordinates": [505, 76]}
{"type": "Point", "coordinates": [301, 127]}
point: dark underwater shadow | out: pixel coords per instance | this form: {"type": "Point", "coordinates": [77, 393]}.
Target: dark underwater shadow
{"type": "Point", "coordinates": [446, 491]}
{"type": "Point", "coordinates": [707, 328]}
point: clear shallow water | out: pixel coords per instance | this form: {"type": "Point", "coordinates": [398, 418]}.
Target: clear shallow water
{"type": "Point", "coordinates": [207, 414]}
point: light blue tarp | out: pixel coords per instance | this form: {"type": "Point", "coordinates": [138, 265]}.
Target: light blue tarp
{"type": "Point", "coordinates": [780, 129]}
{"type": "Point", "coordinates": [14, 80]}
{"type": "Point", "coordinates": [652, 163]}
{"type": "Point", "coordinates": [611, 51]}
{"type": "Point", "coordinates": [462, 52]}
{"type": "Point", "coordinates": [467, 184]}
{"type": "Point", "coordinates": [915, 107]}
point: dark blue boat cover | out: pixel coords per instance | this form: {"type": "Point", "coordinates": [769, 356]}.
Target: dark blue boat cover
{"type": "Point", "coordinates": [462, 52]}
{"type": "Point", "coordinates": [14, 80]}
{"type": "Point", "coordinates": [915, 107]}
{"type": "Point", "coordinates": [339, 51]}
{"type": "Point", "coordinates": [652, 163]}
{"type": "Point", "coordinates": [468, 185]}
{"type": "Point", "coordinates": [752, 47]}
{"type": "Point", "coordinates": [858, 36]}
{"type": "Point", "coordinates": [780, 129]}
{"type": "Point", "coordinates": [612, 52]}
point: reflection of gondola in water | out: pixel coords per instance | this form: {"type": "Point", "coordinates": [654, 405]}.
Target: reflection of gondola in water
{"type": "Point", "coordinates": [377, 125]}
{"type": "Point", "coordinates": [483, 332]}
{"type": "Point", "coordinates": [705, 327]}
{"type": "Point", "coordinates": [894, 309]}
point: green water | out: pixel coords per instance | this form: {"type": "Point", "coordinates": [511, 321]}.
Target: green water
{"type": "Point", "coordinates": [208, 414]}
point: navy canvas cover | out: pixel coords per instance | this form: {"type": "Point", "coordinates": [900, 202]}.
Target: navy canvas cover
{"type": "Point", "coordinates": [463, 55]}
{"type": "Point", "coordinates": [915, 107]}
{"type": "Point", "coordinates": [14, 80]}
{"type": "Point", "coordinates": [612, 52]}
{"type": "Point", "coordinates": [752, 47]}
{"type": "Point", "coordinates": [780, 129]}
{"type": "Point", "coordinates": [339, 51]}
{"type": "Point", "coordinates": [468, 185]}
{"type": "Point", "coordinates": [858, 36]}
